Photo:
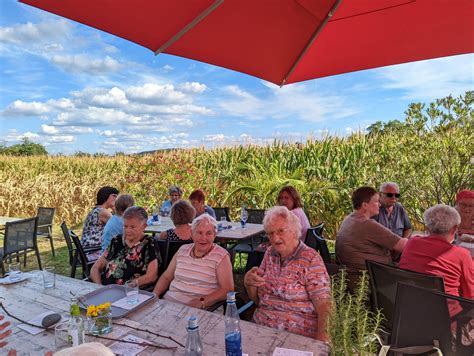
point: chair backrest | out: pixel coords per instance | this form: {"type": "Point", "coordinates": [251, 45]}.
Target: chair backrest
{"type": "Point", "coordinates": [20, 235]}
{"type": "Point", "coordinates": [426, 317]}
{"type": "Point", "coordinates": [318, 229]}
{"type": "Point", "coordinates": [70, 246]}
{"type": "Point", "coordinates": [222, 212]}
{"type": "Point", "coordinates": [315, 241]}
{"type": "Point", "coordinates": [383, 283]}
{"type": "Point", "coordinates": [168, 249]}
{"type": "Point", "coordinates": [45, 219]}
{"type": "Point", "coordinates": [80, 253]}
{"type": "Point", "coordinates": [255, 216]}
{"type": "Point", "coordinates": [333, 268]}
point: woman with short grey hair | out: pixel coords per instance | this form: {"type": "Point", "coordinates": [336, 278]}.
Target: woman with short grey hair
{"type": "Point", "coordinates": [435, 254]}
{"type": "Point", "coordinates": [175, 194]}
{"type": "Point", "coordinates": [441, 218]}
{"type": "Point", "coordinates": [291, 287]}
{"type": "Point", "coordinates": [204, 218]}
{"type": "Point", "coordinates": [131, 257]}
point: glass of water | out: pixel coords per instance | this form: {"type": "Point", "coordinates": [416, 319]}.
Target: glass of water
{"type": "Point", "coordinates": [14, 272]}
{"type": "Point", "coordinates": [132, 290]}
{"type": "Point", "coordinates": [49, 277]}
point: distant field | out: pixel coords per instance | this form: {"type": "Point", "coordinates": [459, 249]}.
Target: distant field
{"type": "Point", "coordinates": [429, 165]}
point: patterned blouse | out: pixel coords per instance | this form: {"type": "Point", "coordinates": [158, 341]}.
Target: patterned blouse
{"type": "Point", "coordinates": [125, 263]}
{"type": "Point", "coordinates": [93, 229]}
{"type": "Point", "coordinates": [285, 301]}
{"type": "Point", "coordinates": [171, 235]}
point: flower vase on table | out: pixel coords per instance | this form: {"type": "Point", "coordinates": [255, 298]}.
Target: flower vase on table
{"type": "Point", "coordinates": [99, 319]}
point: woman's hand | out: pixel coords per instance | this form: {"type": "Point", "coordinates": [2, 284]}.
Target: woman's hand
{"type": "Point", "coordinates": [253, 278]}
{"type": "Point", "coordinates": [195, 303]}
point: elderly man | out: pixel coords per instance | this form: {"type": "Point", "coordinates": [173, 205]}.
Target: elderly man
{"type": "Point", "coordinates": [436, 255]}
{"type": "Point", "coordinates": [392, 215]}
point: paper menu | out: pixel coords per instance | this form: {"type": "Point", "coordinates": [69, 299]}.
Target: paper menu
{"type": "Point", "coordinates": [280, 351]}
{"type": "Point", "coordinates": [122, 348]}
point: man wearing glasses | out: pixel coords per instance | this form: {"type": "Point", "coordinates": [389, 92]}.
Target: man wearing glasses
{"type": "Point", "coordinates": [392, 214]}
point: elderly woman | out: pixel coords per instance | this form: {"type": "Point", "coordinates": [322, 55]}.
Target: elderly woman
{"type": "Point", "coordinates": [98, 217]}
{"type": "Point", "coordinates": [197, 201]}
{"type": "Point", "coordinates": [290, 198]}
{"type": "Point", "coordinates": [200, 274]}
{"type": "Point", "coordinates": [129, 258]}
{"type": "Point", "coordinates": [114, 225]}
{"type": "Point", "coordinates": [175, 195]}
{"type": "Point", "coordinates": [291, 287]}
{"type": "Point", "coordinates": [182, 215]}
{"type": "Point", "coordinates": [435, 254]}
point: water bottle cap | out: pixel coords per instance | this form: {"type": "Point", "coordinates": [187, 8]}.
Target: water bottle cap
{"type": "Point", "coordinates": [192, 322]}
{"type": "Point", "coordinates": [231, 297]}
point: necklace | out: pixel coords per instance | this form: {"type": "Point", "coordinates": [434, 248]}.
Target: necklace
{"type": "Point", "coordinates": [194, 253]}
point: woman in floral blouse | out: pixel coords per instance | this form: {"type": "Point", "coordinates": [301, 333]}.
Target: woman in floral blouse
{"type": "Point", "coordinates": [131, 257]}
{"type": "Point", "coordinates": [291, 287]}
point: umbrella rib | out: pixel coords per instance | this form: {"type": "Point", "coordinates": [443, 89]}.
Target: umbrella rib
{"type": "Point", "coordinates": [189, 26]}
{"type": "Point", "coordinates": [310, 42]}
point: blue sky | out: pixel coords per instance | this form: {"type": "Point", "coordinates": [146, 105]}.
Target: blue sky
{"type": "Point", "coordinates": [73, 88]}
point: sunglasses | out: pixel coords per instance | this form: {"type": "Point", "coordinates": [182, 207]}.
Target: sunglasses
{"type": "Point", "coordinates": [391, 195]}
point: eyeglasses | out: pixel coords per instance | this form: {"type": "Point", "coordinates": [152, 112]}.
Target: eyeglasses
{"type": "Point", "coordinates": [391, 195]}
{"type": "Point", "coordinates": [279, 232]}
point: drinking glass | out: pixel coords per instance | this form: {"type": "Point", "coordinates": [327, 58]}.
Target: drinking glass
{"type": "Point", "coordinates": [223, 222]}
{"type": "Point", "coordinates": [132, 290]}
{"type": "Point", "coordinates": [14, 272]}
{"type": "Point", "coordinates": [49, 277]}
{"type": "Point", "coordinates": [61, 335]}
{"type": "Point", "coordinates": [243, 218]}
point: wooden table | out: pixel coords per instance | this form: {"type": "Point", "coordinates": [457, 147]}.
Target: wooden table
{"type": "Point", "coordinates": [28, 299]}
{"type": "Point", "coordinates": [236, 233]}
{"type": "Point", "coordinates": [5, 219]}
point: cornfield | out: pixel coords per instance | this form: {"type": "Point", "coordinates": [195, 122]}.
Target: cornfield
{"type": "Point", "coordinates": [430, 157]}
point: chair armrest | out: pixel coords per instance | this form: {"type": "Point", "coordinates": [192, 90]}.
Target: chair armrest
{"type": "Point", "coordinates": [92, 249]}
{"type": "Point", "coordinates": [45, 225]}
{"type": "Point", "coordinates": [215, 306]}
{"type": "Point", "coordinates": [245, 307]}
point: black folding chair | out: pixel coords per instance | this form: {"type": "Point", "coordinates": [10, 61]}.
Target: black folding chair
{"type": "Point", "coordinates": [383, 283]}
{"type": "Point", "coordinates": [19, 239]}
{"type": "Point", "coordinates": [314, 240]}
{"type": "Point", "coordinates": [168, 249]}
{"type": "Point", "coordinates": [77, 253]}
{"type": "Point", "coordinates": [424, 317]}
{"type": "Point", "coordinates": [255, 216]}
{"type": "Point", "coordinates": [45, 224]}
{"type": "Point", "coordinates": [222, 213]}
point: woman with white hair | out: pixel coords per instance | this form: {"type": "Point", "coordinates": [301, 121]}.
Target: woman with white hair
{"type": "Point", "coordinates": [435, 254]}
{"type": "Point", "coordinates": [200, 274]}
{"type": "Point", "coordinates": [291, 287]}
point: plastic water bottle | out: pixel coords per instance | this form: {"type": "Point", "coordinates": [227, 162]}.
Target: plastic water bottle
{"type": "Point", "coordinates": [193, 344]}
{"type": "Point", "coordinates": [243, 216]}
{"type": "Point", "coordinates": [233, 340]}
{"type": "Point", "coordinates": [75, 328]}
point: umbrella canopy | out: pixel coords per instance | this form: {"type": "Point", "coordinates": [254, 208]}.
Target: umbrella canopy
{"type": "Point", "coordinates": [284, 41]}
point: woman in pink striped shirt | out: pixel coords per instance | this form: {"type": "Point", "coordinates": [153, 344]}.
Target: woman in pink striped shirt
{"type": "Point", "coordinates": [291, 287]}
{"type": "Point", "coordinates": [200, 274]}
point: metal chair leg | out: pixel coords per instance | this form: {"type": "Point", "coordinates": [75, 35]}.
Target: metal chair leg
{"type": "Point", "coordinates": [38, 257]}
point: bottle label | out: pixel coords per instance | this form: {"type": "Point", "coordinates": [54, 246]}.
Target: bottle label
{"type": "Point", "coordinates": [233, 344]}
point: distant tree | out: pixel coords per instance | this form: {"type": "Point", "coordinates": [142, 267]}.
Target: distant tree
{"type": "Point", "coordinates": [25, 148]}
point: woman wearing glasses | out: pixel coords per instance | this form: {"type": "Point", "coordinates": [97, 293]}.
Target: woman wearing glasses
{"type": "Point", "coordinates": [291, 287]}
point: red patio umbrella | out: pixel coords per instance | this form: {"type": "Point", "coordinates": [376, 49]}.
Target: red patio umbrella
{"type": "Point", "coordinates": [284, 41]}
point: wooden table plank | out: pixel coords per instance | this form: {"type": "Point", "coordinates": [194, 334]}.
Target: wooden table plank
{"type": "Point", "coordinates": [5, 219]}
{"type": "Point", "coordinates": [29, 298]}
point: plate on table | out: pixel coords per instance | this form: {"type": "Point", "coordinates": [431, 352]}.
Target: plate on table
{"type": "Point", "coordinates": [7, 280]}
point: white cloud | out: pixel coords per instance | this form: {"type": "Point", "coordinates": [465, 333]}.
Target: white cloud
{"type": "Point", "coordinates": [82, 63]}
{"type": "Point", "coordinates": [428, 80]}
{"type": "Point", "coordinates": [59, 130]}
{"type": "Point", "coordinates": [167, 68]}
{"type": "Point", "coordinates": [13, 136]}
{"type": "Point", "coordinates": [21, 108]}
{"type": "Point", "coordinates": [29, 33]}
{"type": "Point", "coordinates": [156, 94]}
{"type": "Point", "coordinates": [193, 87]}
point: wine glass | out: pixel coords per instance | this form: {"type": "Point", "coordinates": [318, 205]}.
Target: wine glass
{"type": "Point", "coordinates": [243, 218]}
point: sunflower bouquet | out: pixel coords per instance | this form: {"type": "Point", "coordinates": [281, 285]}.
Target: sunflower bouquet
{"type": "Point", "coordinates": [99, 318]}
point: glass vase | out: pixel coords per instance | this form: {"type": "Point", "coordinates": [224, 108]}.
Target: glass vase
{"type": "Point", "coordinates": [101, 324]}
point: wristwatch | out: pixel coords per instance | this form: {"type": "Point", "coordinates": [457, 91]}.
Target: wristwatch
{"type": "Point", "coordinates": [203, 305]}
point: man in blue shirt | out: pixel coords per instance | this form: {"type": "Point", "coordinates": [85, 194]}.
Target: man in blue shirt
{"type": "Point", "coordinates": [392, 214]}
